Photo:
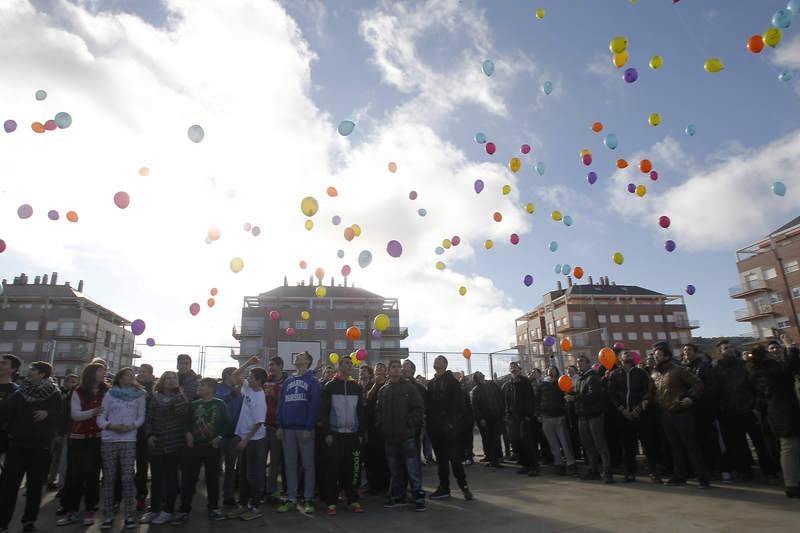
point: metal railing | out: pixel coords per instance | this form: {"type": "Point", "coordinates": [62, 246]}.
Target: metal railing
{"type": "Point", "coordinates": [747, 286]}
{"type": "Point", "coordinates": [687, 324]}
{"type": "Point", "coordinates": [754, 311]}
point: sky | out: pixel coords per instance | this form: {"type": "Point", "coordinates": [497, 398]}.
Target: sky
{"type": "Point", "coordinates": [269, 82]}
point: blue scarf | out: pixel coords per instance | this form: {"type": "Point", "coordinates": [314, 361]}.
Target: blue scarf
{"type": "Point", "coordinates": [126, 394]}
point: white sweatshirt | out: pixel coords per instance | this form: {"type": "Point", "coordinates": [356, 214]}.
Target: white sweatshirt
{"type": "Point", "coordinates": [117, 411]}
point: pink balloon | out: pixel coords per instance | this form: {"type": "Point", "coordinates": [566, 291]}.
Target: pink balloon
{"type": "Point", "coordinates": [290, 332]}
{"type": "Point", "coordinates": [664, 221]}
{"type": "Point", "coordinates": [50, 125]}
{"type": "Point", "coordinates": [274, 315]}
{"type": "Point", "coordinates": [653, 175]}
{"type": "Point", "coordinates": [636, 358]}
{"type": "Point", "coordinates": [618, 346]}
{"type": "Point", "coordinates": [525, 148]}
{"type": "Point", "coordinates": [514, 238]}
{"type": "Point", "coordinates": [587, 159]}
{"type": "Point", "coordinates": [194, 309]}
{"type": "Point", "coordinates": [490, 148]}
{"type": "Point", "coordinates": [346, 270]}
{"type": "Point", "coordinates": [361, 354]}
{"type": "Point", "coordinates": [412, 195]}
{"type": "Point", "coordinates": [456, 240]}
{"type": "Point", "coordinates": [122, 200]}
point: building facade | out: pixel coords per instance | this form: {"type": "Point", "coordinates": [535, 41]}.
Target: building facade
{"type": "Point", "coordinates": [329, 319]}
{"type": "Point", "coordinates": [45, 321]}
{"type": "Point", "coordinates": [769, 283]}
{"type": "Point", "coordinates": [593, 316]}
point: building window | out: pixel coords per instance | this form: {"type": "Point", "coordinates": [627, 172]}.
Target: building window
{"type": "Point", "coordinates": [340, 345]}
{"type": "Point", "coordinates": [28, 347]}
{"type": "Point", "coordinates": [32, 325]}
{"type": "Point", "coordinates": [107, 340]}
{"type": "Point", "coordinates": [301, 324]}
{"type": "Point", "coordinates": [791, 266]}
{"type": "Point", "coordinates": [26, 306]}
{"type": "Point", "coordinates": [775, 297]}
{"type": "Point", "coordinates": [629, 318]}
{"type": "Point", "coordinates": [252, 325]}
{"type": "Point", "coordinates": [632, 336]}
{"type": "Point", "coordinates": [661, 336]}
{"type": "Point", "coordinates": [357, 345]}
{"type": "Point", "coordinates": [770, 273]}
{"type": "Point", "coordinates": [360, 324]}
{"type": "Point", "coordinates": [320, 324]}
{"type": "Point", "coordinates": [658, 318]}
{"type": "Point", "coordinates": [6, 346]}
{"type": "Point", "coordinates": [615, 319]}
{"type": "Point", "coordinates": [673, 335]}
{"type": "Point", "coordinates": [323, 345]}
{"type": "Point", "coordinates": [249, 347]}
{"type": "Point", "coordinates": [340, 324]}
{"type": "Point", "coordinates": [616, 336]}
{"type": "Point", "coordinates": [391, 343]}
{"type": "Point", "coordinates": [375, 344]}
{"type": "Point", "coordinates": [648, 336]}
{"type": "Point", "coordinates": [284, 324]}
{"type": "Point", "coordinates": [601, 319]}
{"type": "Point", "coordinates": [795, 292]}
{"type": "Point", "coordinates": [10, 325]}
{"type": "Point", "coordinates": [782, 322]}
{"type": "Point", "coordinates": [644, 318]}
{"type": "Point", "coordinates": [670, 318]}
{"type": "Point", "coordinates": [52, 325]}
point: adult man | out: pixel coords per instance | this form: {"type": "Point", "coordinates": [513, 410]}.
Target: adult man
{"type": "Point", "coordinates": [398, 413]}
{"type": "Point", "coordinates": [341, 417]}
{"type": "Point", "coordinates": [272, 389]}
{"type": "Point", "coordinates": [629, 391]}
{"type": "Point", "coordinates": [487, 407]}
{"type": "Point", "coordinates": [408, 370]}
{"type": "Point", "coordinates": [146, 379]}
{"type": "Point", "coordinates": [519, 411]}
{"type": "Point", "coordinates": [377, 466]}
{"type": "Point", "coordinates": [737, 420]}
{"type": "Point", "coordinates": [32, 413]}
{"type": "Point", "coordinates": [705, 414]}
{"type": "Point", "coordinates": [187, 379]}
{"type": "Point", "coordinates": [9, 365]}
{"type": "Point", "coordinates": [468, 421]}
{"type": "Point", "coordinates": [444, 410]}
{"type": "Point", "coordinates": [229, 391]}
{"type": "Point", "coordinates": [675, 391]}
{"type": "Point", "coordinates": [298, 411]}
{"type": "Point", "coordinates": [590, 405]}
{"type": "Point", "coordinates": [58, 452]}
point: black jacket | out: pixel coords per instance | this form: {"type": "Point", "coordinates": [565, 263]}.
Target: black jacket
{"type": "Point", "coordinates": [709, 401]}
{"type": "Point", "coordinates": [775, 392]}
{"type": "Point", "coordinates": [22, 430]}
{"type": "Point", "coordinates": [737, 393]}
{"type": "Point", "coordinates": [590, 395]}
{"type": "Point", "coordinates": [550, 400]}
{"type": "Point", "coordinates": [519, 400]}
{"type": "Point", "coordinates": [487, 401]}
{"type": "Point", "coordinates": [399, 411]}
{"type": "Point", "coordinates": [628, 388]}
{"type": "Point", "coordinates": [444, 406]}
{"type": "Point", "coordinates": [342, 408]}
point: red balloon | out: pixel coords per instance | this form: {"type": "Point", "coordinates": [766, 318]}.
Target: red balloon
{"type": "Point", "coordinates": [490, 148]}
{"type": "Point", "coordinates": [664, 221]}
{"type": "Point", "coordinates": [122, 200]}
{"type": "Point", "coordinates": [274, 315]}
{"type": "Point", "coordinates": [755, 44]}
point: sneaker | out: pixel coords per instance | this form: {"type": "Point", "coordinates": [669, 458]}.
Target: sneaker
{"type": "Point", "coordinates": [440, 494]}
{"type": "Point", "coordinates": [68, 520]}
{"type": "Point", "coordinates": [467, 493]}
{"type": "Point", "coordinates": [308, 508]}
{"type": "Point", "coordinates": [285, 507]}
{"type": "Point", "coordinates": [419, 505]}
{"type": "Point", "coordinates": [108, 523]}
{"type": "Point", "coordinates": [675, 482]}
{"type": "Point", "coordinates": [251, 513]}
{"type": "Point", "coordinates": [655, 478]}
{"type": "Point", "coordinates": [147, 517]}
{"type": "Point", "coordinates": [216, 515]}
{"type": "Point", "coordinates": [130, 523]}
{"type": "Point", "coordinates": [180, 518]}
{"type": "Point", "coordinates": [523, 471]}
{"type": "Point", "coordinates": [590, 476]}
{"type": "Point", "coordinates": [561, 470]}
{"type": "Point", "coordinates": [629, 478]}
{"type": "Point", "coordinates": [162, 518]}
{"type": "Point", "coordinates": [356, 507]}
{"type": "Point", "coordinates": [572, 470]}
{"type": "Point", "coordinates": [703, 482]}
{"type": "Point", "coordinates": [331, 510]}
{"type": "Point", "coordinates": [608, 478]}
{"type": "Point", "coordinates": [469, 462]}
{"type": "Point", "coordinates": [393, 502]}
{"type": "Point", "coordinates": [88, 518]}
{"type": "Point", "coordinates": [533, 472]}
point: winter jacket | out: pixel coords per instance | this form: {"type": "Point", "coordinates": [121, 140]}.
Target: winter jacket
{"type": "Point", "coordinates": [189, 382]}
{"type": "Point", "coordinates": [591, 397]}
{"type": "Point", "coordinates": [487, 401]}
{"type": "Point", "coordinates": [704, 370]}
{"type": "Point", "coordinates": [208, 419]}
{"type": "Point", "coordinates": [399, 411]}
{"type": "Point", "coordinates": [628, 387]}
{"type": "Point", "coordinates": [298, 406]}
{"type": "Point", "coordinates": [775, 392]}
{"type": "Point", "coordinates": [737, 393]}
{"type": "Point", "coordinates": [444, 406]}
{"type": "Point", "coordinates": [126, 407]}
{"type": "Point", "coordinates": [16, 413]}
{"type": "Point", "coordinates": [673, 384]}
{"type": "Point", "coordinates": [342, 407]}
{"type": "Point", "coordinates": [549, 400]}
{"type": "Point", "coordinates": [166, 421]}
{"type": "Point", "coordinates": [82, 406]}
{"type": "Point", "coordinates": [519, 400]}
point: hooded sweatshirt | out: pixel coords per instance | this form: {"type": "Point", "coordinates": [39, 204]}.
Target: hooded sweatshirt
{"type": "Point", "coordinates": [298, 406]}
{"type": "Point", "coordinates": [122, 405]}
{"type": "Point", "coordinates": [342, 408]}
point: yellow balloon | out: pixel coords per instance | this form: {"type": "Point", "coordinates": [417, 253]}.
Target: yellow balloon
{"type": "Point", "coordinates": [488, 244]}
{"type": "Point", "coordinates": [305, 315]}
{"type": "Point", "coordinates": [309, 224]}
{"type": "Point", "coordinates": [381, 322]}
{"type": "Point", "coordinates": [321, 292]}
{"type": "Point", "coordinates": [584, 152]}
{"type": "Point", "coordinates": [772, 37]}
{"type": "Point", "coordinates": [540, 14]}
{"type": "Point", "coordinates": [618, 258]}
{"type": "Point", "coordinates": [515, 164]}
{"type": "Point", "coordinates": [446, 244]}
{"type": "Point", "coordinates": [356, 363]}
{"type": "Point", "coordinates": [556, 215]}
{"type": "Point", "coordinates": [462, 291]}
{"type": "Point", "coordinates": [237, 265]}
{"type": "Point", "coordinates": [641, 190]}
{"type": "Point", "coordinates": [714, 64]}
{"type": "Point", "coordinates": [656, 62]}
{"type": "Point", "coordinates": [506, 190]}
{"type": "Point", "coordinates": [530, 208]}
{"type": "Point", "coordinates": [309, 206]}
{"type": "Point", "coordinates": [618, 44]}
{"type": "Point", "coordinates": [356, 230]}
{"type": "Point", "coordinates": [439, 265]}
{"type": "Point", "coordinates": [620, 59]}
{"type": "Point", "coordinates": [654, 119]}
{"type": "Point", "coordinates": [334, 358]}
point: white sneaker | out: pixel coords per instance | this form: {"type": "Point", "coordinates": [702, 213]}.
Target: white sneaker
{"type": "Point", "coordinates": [147, 517]}
{"type": "Point", "coordinates": [162, 518]}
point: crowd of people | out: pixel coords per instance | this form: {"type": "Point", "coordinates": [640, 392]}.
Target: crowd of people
{"type": "Point", "coordinates": [265, 437]}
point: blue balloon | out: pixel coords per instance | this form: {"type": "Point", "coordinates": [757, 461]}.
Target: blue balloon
{"type": "Point", "coordinates": [786, 75]}
{"type": "Point", "coordinates": [41, 94]}
{"type": "Point", "coordinates": [480, 138]}
{"type": "Point", "coordinates": [782, 18]}
{"type": "Point", "coordinates": [566, 269]}
{"type": "Point", "coordinates": [63, 120]}
{"type": "Point", "coordinates": [547, 87]}
{"type": "Point", "coordinates": [340, 254]}
{"type": "Point", "coordinates": [439, 250]}
{"type": "Point", "coordinates": [346, 127]}
{"type": "Point", "coordinates": [422, 212]}
{"type": "Point", "coordinates": [779, 188]}
{"type": "Point", "coordinates": [611, 141]}
{"type": "Point", "coordinates": [794, 7]}
{"type": "Point", "coordinates": [364, 258]}
{"type": "Point", "coordinates": [488, 67]}
{"type": "Point", "coordinates": [553, 246]}
{"type": "Point", "coordinates": [567, 220]}
{"type": "Point", "coordinates": [558, 268]}
{"type": "Point", "coordinates": [540, 168]}
{"type": "Point", "coordinates": [691, 129]}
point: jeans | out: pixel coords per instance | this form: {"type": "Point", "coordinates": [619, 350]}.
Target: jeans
{"type": "Point", "coordinates": [735, 430]}
{"type": "Point", "coordinates": [142, 466]}
{"type": "Point", "coordinates": [208, 458]}
{"type": "Point", "coordinates": [629, 431]}
{"type": "Point", "coordinates": [490, 435]}
{"type": "Point", "coordinates": [275, 450]}
{"type": "Point", "coordinates": [31, 463]}
{"type": "Point", "coordinates": [294, 444]}
{"type": "Point", "coordinates": [707, 438]}
{"type": "Point", "coordinates": [403, 458]}
{"type": "Point", "coordinates": [520, 433]}
{"type": "Point", "coordinates": [593, 439]}
{"type": "Point", "coordinates": [555, 429]}
{"type": "Point", "coordinates": [252, 472]}
{"type": "Point", "coordinates": [57, 447]}
{"type": "Point", "coordinates": [679, 428]}
{"type": "Point", "coordinates": [164, 484]}
{"type": "Point", "coordinates": [230, 455]}
{"type": "Point", "coordinates": [427, 446]}
{"type": "Point", "coordinates": [655, 442]}
{"type": "Point", "coordinates": [83, 475]}
{"type": "Point", "coordinates": [343, 464]}
{"type": "Point", "coordinates": [468, 439]}
{"type": "Point", "coordinates": [449, 455]}
{"type": "Point", "coordinates": [790, 461]}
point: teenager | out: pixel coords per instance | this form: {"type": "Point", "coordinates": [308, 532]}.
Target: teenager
{"type": "Point", "coordinates": [146, 379]}
{"type": "Point", "coordinates": [272, 389]}
{"type": "Point", "coordinates": [230, 392]}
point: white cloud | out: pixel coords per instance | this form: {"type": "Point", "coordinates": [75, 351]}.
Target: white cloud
{"type": "Point", "coordinates": [788, 54]}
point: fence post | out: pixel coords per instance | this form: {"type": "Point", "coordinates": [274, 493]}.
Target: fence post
{"type": "Point", "coordinates": [491, 367]}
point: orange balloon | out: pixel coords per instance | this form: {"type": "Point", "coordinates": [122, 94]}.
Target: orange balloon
{"type": "Point", "coordinates": [498, 217]}
{"type": "Point", "coordinates": [392, 167]}
{"type": "Point", "coordinates": [577, 272]}
{"type": "Point", "coordinates": [467, 353]}
{"type": "Point", "coordinates": [565, 383]}
{"type": "Point", "coordinates": [353, 333]}
{"type": "Point", "coordinates": [303, 265]}
{"type": "Point", "coordinates": [566, 344]}
{"type": "Point", "coordinates": [319, 273]}
{"type": "Point", "coordinates": [349, 233]}
{"type": "Point", "coordinates": [755, 44]}
{"type": "Point", "coordinates": [645, 166]}
{"type": "Point", "coordinates": [38, 127]}
{"type": "Point", "coordinates": [597, 127]}
{"type": "Point", "coordinates": [332, 191]}
{"type": "Point", "coordinates": [72, 216]}
{"type": "Point", "coordinates": [214, 291]}
{"type": "Point", "coordinates": [608, 358]}
{"type": "Point", "coordinates": [211, 302]}
{"type": "Point", "coordinates": [144, 171]}
{"type": "Point", "coordinates": [621, 163]}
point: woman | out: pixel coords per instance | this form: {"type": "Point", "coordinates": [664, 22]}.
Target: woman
{"type": "Point", "coordinates": [552, 409]}
{"type": "Point", "coordinates": [165, 427]}
{"type": "Point", "coordinates": [83, 450]}
{"type": "Point", "coordinates": [123, 413]}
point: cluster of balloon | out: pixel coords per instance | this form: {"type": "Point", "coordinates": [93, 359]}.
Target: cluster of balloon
{"type": "Point", "coordinates": [353, 333]}
{"type": "Point", "coordinates": [196, 133]}
{"type": "Point", "coordinates": [237, 264]}
{"type": "Point", "coordinates": [586, 157]}
{"type": "Point", "coordinates": [565, 383]}
{"type": "Point", "coordinates": [346, 127]}
{"type": "Point", "coordinates": [779, 188]}
{"type": "Point", "coordinates": [467, 353]}
{"type": "Point", "coordinates": [607, 358]}
{"type": "Point", "coordinates": [309, 206]}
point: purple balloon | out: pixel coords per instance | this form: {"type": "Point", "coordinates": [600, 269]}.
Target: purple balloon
{"type": "Point", "coordinates": [394, 248]}
{"type": "Point", "coordinates": [256, 231]}
{"type": "Point", "coordinates": [336, 220]}
{"type": "Point", "coordinates": [592, 177]}
{"type": "Point", "coordinates": [151, 342]}
{"type": "Point", "coordinates": [137, 326]}
{"type": "Point", "coordinates": [478, 186]}
{"type": "Point", "coordinates": [52, 214]}
{"type": "Point", "coordinates": [631, 188]}
{"type": "Point", "coordinates": [669, 245]}
{"type": "Point", "coordinates": [376, 334]}
{"type": "Point", "coordinates": [654, 175]}
{"type": "Point", "coordinates": [24, 211]}
{"type": "Point", "coordinates": [690, 289]}
{"type": "Point", "coordinates": [630, 75]}
{"type": "Point", "coordinates": [549, 341]}
{"type": "Point", "coordinates": [9, 125]}
{"type": "Point", "coordinates": [527, 280]}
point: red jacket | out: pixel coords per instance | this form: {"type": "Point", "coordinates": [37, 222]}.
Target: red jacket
{"type": "Point", "coordinates": [88, 428]}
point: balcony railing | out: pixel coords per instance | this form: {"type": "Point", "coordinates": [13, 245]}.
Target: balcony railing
{"type": "Point", "coordinates": [748, 287]}
{"type": "Point", "coordinates": [750, 313]}
{"type": "Point", "coordinates": [687, 324]}
{"type": "Point", "coordinates": [395, 332]}
{"type": "Point", "coordinates": [573, 325]}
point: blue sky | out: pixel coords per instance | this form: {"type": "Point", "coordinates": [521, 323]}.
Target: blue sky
{"type": "Point", "coordinates": [270, 82]}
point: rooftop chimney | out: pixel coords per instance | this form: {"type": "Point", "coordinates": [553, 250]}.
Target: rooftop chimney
{"type": "Point", "coordinates": [569, 281]}
{"type": "Point", "coordinates": [302, 283]}
{"type": "Point", "coordinates": [591, 282]}
{"type": "Point", "coordinates": [44, 279]}
{"type": "Point", "coordinates": [37, 280]}
{"type": "Point", "coordinates": [333, 284]}
{"type": "Point", "coordinates": [285, 282]}
{"type": "Point", "coordinates": [310, 281]}
{"type": "Point", "coordinates": [345, 281]}
{"type": "Point", "coordinates": [558, 285]}
{"type": "Point", "coordinates": [54, 279]}
{"type": "Point", "coordinates": [23, 279]}
{"type": "Point", "coordinates": [80, 286]}
{"type": "Point", "coordinates": [614, 283]}
{"type": "Point", "coordinates": [66, 284]}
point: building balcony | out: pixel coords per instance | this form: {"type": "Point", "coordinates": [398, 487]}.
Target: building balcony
{"type": "Point", "coordinates": [571, 326]}
{"type": "Point", "coordinates": [401, 333]}
{"type": "Point", "coordinates": [73, 355]}
{"type": "Point", "coordinates": [747, 288]}
{"type": "Point", "coordinates": [755, 312]}
{"type": "Point", "coordinates": [687, 324]}
{"type": "Point", "coordinates": [238, 333]}
{"type": "Point", "coordinates": [389, 353]}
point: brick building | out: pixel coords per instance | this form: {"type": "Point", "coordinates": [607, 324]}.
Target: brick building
{"type": "Point", "coordinates": [769, 283]}
{"type": "Point", "coordinates": [596, 315]}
